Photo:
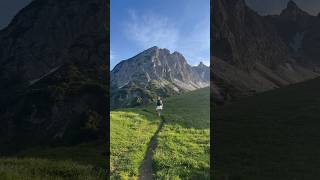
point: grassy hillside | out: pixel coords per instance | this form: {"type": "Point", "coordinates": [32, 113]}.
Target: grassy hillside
{"type": "Point", "coordinates": [274, 135]}
{"type": "Point", "coordinates": [183, 148]}
{"type": "Point", "coordinates": [183, 143]}
{"type": "Point", "coordinates": [190, 110]}
{"type": "Point", "coordinates": [130, 133]}
{"type": "Point", "coordinates": [85, 161]}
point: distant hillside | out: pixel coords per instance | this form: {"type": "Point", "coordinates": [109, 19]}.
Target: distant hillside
{"type": "Point", "coordinates": [154, 72]}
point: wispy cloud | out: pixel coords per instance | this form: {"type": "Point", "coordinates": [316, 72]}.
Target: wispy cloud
{"type": "Point", "coordinates": [196, 44]}
{"type": "Point", "coordinates": [113, 60]}
{"type": "Point", "coordinates": [150, 29]}
{"type": "Point", "coordinates": [111, 55]}
{"type": "Point", "coordinates": [206, 62]}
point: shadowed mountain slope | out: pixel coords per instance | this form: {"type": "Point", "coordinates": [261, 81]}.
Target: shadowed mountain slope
{"type": "Point", "coordinates": [253, 53]}
{"type": "Point", "coordinates": [53, 61]}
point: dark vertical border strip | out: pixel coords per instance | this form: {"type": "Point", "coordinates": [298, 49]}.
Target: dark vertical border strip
{"type": "Point", "coordinates": [108, 85]}
{"type": "Point", "coordinates": [212, 121]}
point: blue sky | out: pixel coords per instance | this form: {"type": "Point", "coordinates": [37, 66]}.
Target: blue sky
{"type": "Point", "coordinates": [178, 25]}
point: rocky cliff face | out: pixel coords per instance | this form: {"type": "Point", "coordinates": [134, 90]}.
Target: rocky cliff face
{"type": "Point", "coordinates": [300, 31]}
{"type": "Point", "coordinates": [53, 61]}
{"type": "Point", "coordinates": [154, 72]}
{"type": "Point", "coordinates": [203, 71]}
{"type": "Point", "coordinates": [253, 53]}
{"type": "Point", "coordinates": [157, 64]}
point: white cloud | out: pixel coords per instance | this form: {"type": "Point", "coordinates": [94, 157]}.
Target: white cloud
{"type": "Point", "coordinates": [206, 62]}
{"type": "Point", "coordinates": [111, 55]}
{"type": "Point", "coordinates": [196, 45]}
{"type": "Point", "coordinates": [113, 60]}
{"type": "Point", "coordinates": [151, 30]}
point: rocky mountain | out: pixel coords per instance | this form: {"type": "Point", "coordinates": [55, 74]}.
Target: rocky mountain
{"type": "Point", "coordinates": [154, 72]}
{"type": "Point", "coordinates": [203, 71]}
{"type": "Point", "coordinates": [253, 53]}
{"type": "Point", "coordinates": [53, 77]}
{"type": "Point", "coordinates": [299, 30]}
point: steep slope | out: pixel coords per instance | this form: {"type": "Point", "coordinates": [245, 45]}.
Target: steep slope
{"type": "Point", "coordinates": [154, 72]}
{"type": "Point", "coordinates": [53, 61]}
{"type": "Point", "coordinates": [272, 135]}
{"type": "Point", "coordinates": [203, 71]}
{"type": "Point", "coordinates": [250, 52]}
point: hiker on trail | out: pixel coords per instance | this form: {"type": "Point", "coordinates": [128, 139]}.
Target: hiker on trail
{"type": "Point", "coordinates": [159, 106]}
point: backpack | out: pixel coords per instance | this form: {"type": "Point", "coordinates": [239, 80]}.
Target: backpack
{"type": "Point", "coordinates": [159, 103]}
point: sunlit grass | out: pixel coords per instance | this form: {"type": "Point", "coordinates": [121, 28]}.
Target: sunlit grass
{"type": "Point", "coordinates": [183, 150]}
{"type": "Point", "coordinates": [182, 153]}
{"type": "Point", "coordinates": [130, 132]}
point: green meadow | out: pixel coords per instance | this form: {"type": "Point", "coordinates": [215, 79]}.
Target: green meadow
{"type": "Point", "coordinates": [183, 143]}
{"type": "Point", "coordinates": [130, 133]}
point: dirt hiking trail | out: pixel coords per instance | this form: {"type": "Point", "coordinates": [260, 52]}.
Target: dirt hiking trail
{"type": "Point", "coordinates": [145, 170]}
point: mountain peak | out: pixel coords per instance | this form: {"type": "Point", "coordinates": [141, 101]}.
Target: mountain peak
{"type": "Point", "coordinates": [292, 5]}
{"type": "Point", "coordinates": [177, 53]}
{"type": "Point", "coordinates": [157, 49]}
{"type": "Point", "coordinates": [292, 11]}
{"type": "Point", "coordinates": [154, 47]}
{"type": "Point", "coordinates": [169, 71]}
{"type": "Point", "coordinates": [201, 64]}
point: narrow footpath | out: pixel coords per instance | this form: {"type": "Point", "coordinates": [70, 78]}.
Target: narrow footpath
{"type": "Point", "coordinates": [145, 170]}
